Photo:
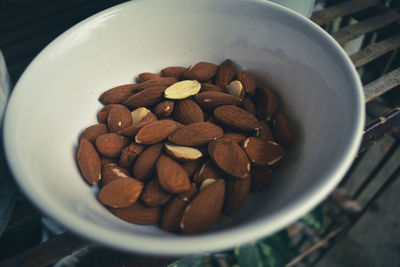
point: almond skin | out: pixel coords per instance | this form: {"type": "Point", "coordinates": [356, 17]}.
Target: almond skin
{"type": "Point", "coordinates": [160, 82]}
{"type": "Point", "coordinates": [266, 102]}
{"type": "Point", "coordinates": [164, 109]}
{"type": "Point", "coordinates": [282, 129]}
{"type": "Point", "coordinates": [147, 97]}
{"type": "Point", "coordinates": [263, 153]}
{"type": "Point", "coordinates": [118, 94]}
{"type": "Point", "coordinates": [236, 118]}
{"type": "Point", "coordinates": [225, 74]}
{"type": "Point", "coordinates": [120, 193]}
{"type": "Point", "coordinates": [129, 154]}
{"type": "Point", "coordinates": [118, 118]}
{"type": "Point", "coordinates": [235, 137]}
{"type": "Point", "coordinates": [172, 214]}
{"type": "Point", "coordinates": [103, 113]}
{"type": "Point", "coordinates": [112, 171]}
{"type": "Point", "coordinates": [202, 71]}
{"type": "Point", "coordinates": [230, 157]}
{"type": "Point", "coordinates": [236, 194]}
{"type": "Point", "coordinates": [138, 214]}
{"type": "Point", "coordinates": [145, 76]}
{"type": "Point", "coordinates": [89, 162]}
{"type": "Point", "coordinates": [210, 87]}
{"type": "Point", "coordinates": [187, 111]}
{"type": "Point", "coordinates": [155, 132]}
{"type": "Point", "coordinates": [261, 177]}
{"type": "Point", "coordinates": [154, 195]}
{"type": "Point", "coordinates": [196, 134]}
{"type": "Point", "coordinates": [190, 166]}
{"type": "Point", "coordinates": [247, 81]}
{"type": "Point", "coordinates": [204, 210]}
{"type": "Point", "coordinates": [92, 132]}
{"type": "Point", "coordinates": [207, 170]}
{"type": "Point", "coordinates": [172, 177]}
{"type": "Point", "coordinates": [173, 71]}
{"type": "Point", "coordinates": [111, 144]}
{"type": "Point", "coordinates": [249, 106]}
{"type": "Point", "coordinates": [144, 166]}
{"type": "Point", "coordinates": [212, 99]}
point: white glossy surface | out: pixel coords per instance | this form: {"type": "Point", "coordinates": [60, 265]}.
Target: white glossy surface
{"type": "Point", "coordinates": [57, 96]}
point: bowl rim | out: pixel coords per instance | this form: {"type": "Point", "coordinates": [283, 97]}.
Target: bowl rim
{"type": "Point", "coordinates": [226, 238]}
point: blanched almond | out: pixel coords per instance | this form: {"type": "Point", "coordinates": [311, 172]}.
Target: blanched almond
{"type": "Point", "coordinates": [182, 153]}
{"type": "Point", "coordinates": [182, 89]}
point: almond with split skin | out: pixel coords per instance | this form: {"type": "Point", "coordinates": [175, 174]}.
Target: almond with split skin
{"type": "Point", "coordinates": [210, 100]}
{"type": "Point", "coordinates": [172, 177]}
{"type": "Point", "coordinates": [154, 195]}
{"type": "Point", "coordinates": [282, 129]}
{"type": "Point", "coordinates": [206, 183]}
{"type": "Point", "coordinates": [92, 132]}
{"type": "Point", "coordinates": [164, 109]}
{"type": "Point", "coordinates": [111, 172]}
{"type": "Point", "coordinates": [182, 89]}
{"type": "Point", "coordinates": [204, 210]}
{"type": "Point", "coordinates": [111, 144]}
{"type": "Point", "coordinates": [207, 170]}
{"type": "Point", "coordinates": [130, 153]}
{"type": "Point", "coordinates": [266, 102]}
{"type": "Point", "coordinates": [138, 214]}
{"type": "Point", "coordinates": [182, 153]}
{"type": "Point", "coordinates": [144, 166]}
{"type": "Point", "coordinates": [236, 118]}
{"type": "Point", "coordinates": [202, 71]}
{"type": "Point", "coordinates": [187, 111]}
{"type": "Point", "coordinates": [155, 132]}
{"type": "Point", "coordinates": [226, 73]}
{"type": "Point", "coordinates": [89, 162]}
{"type": "Point", "coordinates": [119, 117]}
{"type": "Point", "coordinates": [263, 132]}
{"type": "Point", "coordinates": [120, 193]}
{"type": "Point", "coordinates": [263, 153]}
{"type": "Point", "coordinates": [247, 81]}
{"type": "Point", "coordinates": [236, 194]}
{"type": "Point", "coordinates": [235, 88]}
{"type": "Point", "coordinates": [117, 95]}
{"type": "Point", "coordinates": [173, 71]}
{"type": "Point", "coordinates": [145, 76]}
{"type": "Point", "coordinates": [196, 134]}
{"type": "Point", "coordinates": [140, 117]}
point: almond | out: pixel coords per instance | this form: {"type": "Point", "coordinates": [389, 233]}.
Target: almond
{"type": "Point", "coordinates": [145, 98]}
{"type": "Point", "coordinates": [142, 114]}
{"type": "Point", "coordinates": [202, 71]}
{"type": "Point", "coordinates": [263, 153]}
{"type": "Point", "coordinates": [235, 88]}
{"type": "Point", "coordinates": [190, 166]}
{"type": "Point", "coordinates": [261, 177]}
{"type": "Point", "coordinates": [172, 177]}
{"type": "Point", "coordinates": [247, 81]}
{"type": "Point", "coordinates": [111, 144]}
{"type": "Point", "coordinates": [155, 132]}
{"type": "Point", "coordinates": [107, 160]}
{"type": "Point", "coordinates": [213, 99]}
{"type": "Point", "coordinates": [230, 157]}
{"type": "Point", "coordinates": [145, 76]}
{"type": "Point", "coordinates": [103, 113]}
{"type": "Point", "coordinates": [118, 118]}
{"type": "Point", "coordinates": [153, 195]}
{"type": "Point", "coordinates": [112, 171]}
{"type": "Point", "coordinates": [89, 162]}
{"type": "Point", "coordinates": [236, 118]}
{"type": "Point", "coordinates": [172, 214]}
{"type": "Point", "coordinates": [195, 134]}
{"type": "Point", "coordinates": [182, 153]}
{"type": "Point", "coordinates": [138, 213]}
{"type": "Point", "coordinates": [164, 109]}
{"type": "Point", "coordinates": [236, 194]}
{"type": "Point", "coordinates": [189, 195]}
{"type": "Point", "coordinates": [282, 129]}
{"type": "Point", "coordinates": [92, 132]}
{"type": "Point", "coordinates": [225, 74]}
{"type": "Point", "coordinates": [173, 71]}
{"type": "Point", "coordinates": [249, 106]}
{"type": "Point", "coordinates": [207, 170]}
{"type": "Point", "coordinates": [160, 82]}
{"type": "Point", "coordinates": [266, 102]}
{"type": "Point", "coordinates": [204, 210]}
{"type": "Point", "coordinates": [206, 183]}
{"type": "Point", "coordinates": [120, 193]}
{"type": "Point", "coordinates": [118, 94]}
{"type": "Point", "coordinates": [187, 111]}
{"type": "Point", "coordinates": [182, 89]}
{"type": "Point", "coordinates": [144, 166]}
{"type": "Point", "coordinates": [210, 87]}
{"type": "Point", "coordinates": [129, 154]}
{"type": "Point", "coordinates": [264, 132]}
{"type": "Point", "coordinates": [235, 137]}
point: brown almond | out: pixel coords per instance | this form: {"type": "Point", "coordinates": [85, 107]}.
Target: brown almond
{"type": "Point", "coordinates": [190, 194]}
{"type": "Point", "coordinates": [225, 74]}
{"type": "Point", "coordinates": [145, 98]}
{"type": "Point", "coordinates": [89, 162]}
{"type": "Point", "coordinates": [155, 132]}
{"type": "Point", "coordinates": [266, 102]}
{"type": "Point", "coordinates": [145, 76]}
{"type": "Point", "coordinates": [282, 130]}
{"type": "Point", "coordinates": [161, 82]}
{"type": "Point", "coordinates": [182, 153]}
{"type": "Point", "coordinates": [172, 215]}
{"type": "Point", "coordinates": [187, 111]}
{"type": "Point", "coordinates": [138, 214]}
{"type": "Point", "coordinates": [92, 132]}
{"type": "Point", "coordinates": [154, 195]}
{"type": "Point", "coordinates": [111, 144]}
{"type": "Point", "coordinates": [249, 106]}
{"type": "Point", "coordinates": [235, 137]}
{"type": "Point", "coordinates": [103, 113]}
{"type": "Point", "coordinates": [144, 166]}
{"type": "Point", "coordinates": [204, 210]}
{"type": "Point", "coordinates": [118, 94]}
{"type": "Point", "coordinates": [107, 160]}
{"type": "Point", "coordinates": [230, 157]}
{"type": "Point", "coordinates": [213, 99]}
{"type": "Point", "coordinates": [236, 194]}
{"type": "Point", "coordinates": [207, 170]}
{"type": "Point", "coordinates": [196, 134]}
{"type": "Point", "coordinates": [120, 193]}
{"type": "Point", "coordinates": [173, 71]}
{"type": "Point", "coordinates": [210, 87]}
{"type": "Point", "coordinates": [164, 109]}
{"type": "Point", "coordinates": [112, 172]}
{"type": "Point", "coordinates": [140, 118]}
{"type": "Point", "coordinates": [172, 177]}
{"type": "Point", "coordinates": [118, 118]}
{"type": "Point", "coordinates": [264, 132]}
{"type": "Point", "coordinates": [263, 153]}
{"type": "Point", "coordinates": [261, 177]}
{"type": "Point", "coordinates": [236, 118]}
{"type": "Point", "coordinates": [202, 71]}
{"type": "Point", "coordinates": [190, 166]}
{"type": "Point", "coordinates": [129, 154]}
{"type": "Point", "coordinates": [247, 81]}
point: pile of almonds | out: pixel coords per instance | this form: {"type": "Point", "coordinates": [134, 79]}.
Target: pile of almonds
{"type": "Point", "coordinates": [183, 147]}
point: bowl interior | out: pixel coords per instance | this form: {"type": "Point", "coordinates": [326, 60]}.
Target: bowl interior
{"type": "Point", "coordinates": [56, 99]}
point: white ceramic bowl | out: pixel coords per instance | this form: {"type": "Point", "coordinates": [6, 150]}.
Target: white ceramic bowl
{"type": "Point", "coordinates": [56, 98]}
